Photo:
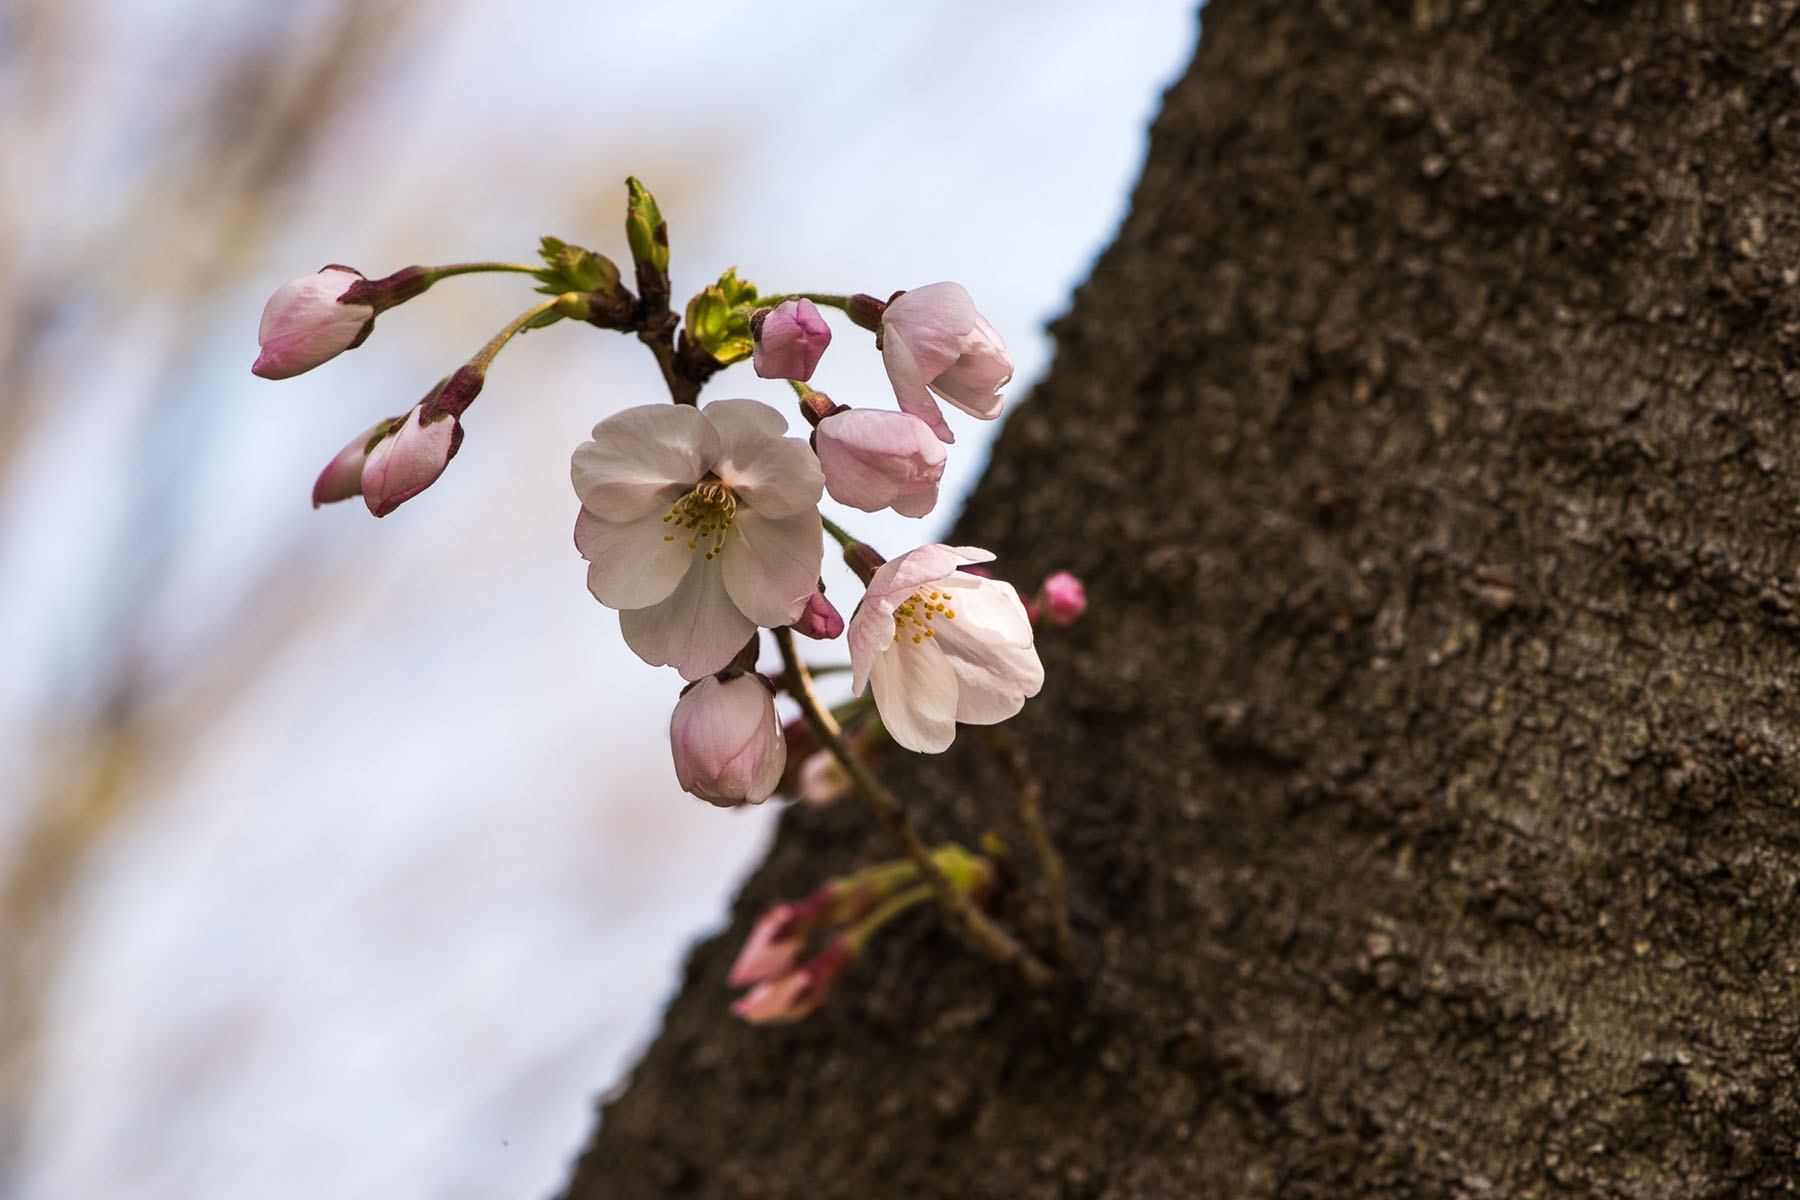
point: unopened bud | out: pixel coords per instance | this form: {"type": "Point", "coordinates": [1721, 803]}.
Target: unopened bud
{"type": "Point", "coordinates": [342, 476]}
{"type": "Point", "coordinates": [308, 322]}
{"type": "Point", "coordinates": [1061, 600]}
{"type": "Point", "coordinates": [790, 339]}
{"type": "Point", "coordinates": [798, 993]}
{"type": "Point", "coordinates": [819, 619]}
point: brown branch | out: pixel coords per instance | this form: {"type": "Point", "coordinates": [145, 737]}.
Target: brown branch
{"type": "Point", "coordinates": [1031, 816]}
{"type": "Point", "coordinates": [999, 945]}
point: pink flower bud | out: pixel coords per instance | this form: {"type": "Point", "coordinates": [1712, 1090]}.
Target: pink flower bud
{"type": "Point", "coordinates": [874, 459]}
{"type": "Point", "coordinates": [727, 741]}
{"type": "Point", "coordinates": [342, 476]}
{"type": "Point", "coordinates": [790, 340]}
{"type": "Point", "coordinates": [774, 943]}
{"type": "Point", "coordinates": [800, 992]}
{"type": "Point", "coordinates": [408, 459]}
{"type": "Point", "coordinates": [819, 619]}
{"type": "Point", "coordinates": [304, 325]}
{"type": "Point", "coordinates": [1061, 600]}
{"type": "Point", "coordinates": [933, 341]}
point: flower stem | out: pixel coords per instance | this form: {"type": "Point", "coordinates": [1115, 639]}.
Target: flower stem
{"type": "Point", "coordinates": [999, 945]}
{"type": "Point", "coordinates": [470, 268]}
{"type": "Point", "coordinates": [1031, 816]}
{"type": "Point", "coordinates": [838, 532]}
{"type": "Point", "coordinates": [828, 299]}
{"type": "Point", "coordinates": [536, 312]}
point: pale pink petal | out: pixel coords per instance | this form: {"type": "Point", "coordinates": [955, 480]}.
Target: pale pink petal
{"type": "Point", "coordinates": [872, 626]}
{"type": "Point", "coordinates": [909, 381]}
{"type": "Point", "coordinates": [974, 380]}
{"type": "Point", "coordinates": [915, 692]}
{"type": "Point", "coordinates": [989, 645]}
{"type": "Point", "coordinates": [631, 564]}
{"type": "Point", "coordinates": [643, 459]}
{"type": "Point", "coordinates": [873, 459]}
{"type": "Point", "coordinates": [697, 630]}
{"type": "Point", "coordinates": [771, 567]}
{"type": "Point", "coordinates": [934, 321]}
{"type": "Point", "coordinates": [777, 476]}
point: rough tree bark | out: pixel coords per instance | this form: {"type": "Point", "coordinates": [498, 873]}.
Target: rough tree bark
{"type": "Point", "coordinates": [1427, 763]}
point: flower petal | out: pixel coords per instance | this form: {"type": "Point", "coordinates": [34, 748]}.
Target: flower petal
{"type": "Point", "coordinates": [697, 630]}
{"type": "Point", "coordinates": [772, 567]}
{"type": "Point", "coordinates": [909, 381]}
{"type": "Point", "coordinates": [915, 693]}
{"type": "Point", "coordinates": [630, 565]}
{"type": "Point", "coordinates": [643, 459]}
{"type": "Point", "coordinates": [974, 380]}
{"type": "Point", "coordinates": [989, 645]}
{"type": "Point", "coordinates": [777, 476]}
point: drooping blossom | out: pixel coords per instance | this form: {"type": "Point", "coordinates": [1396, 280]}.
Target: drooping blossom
{"type": "Point", "coordinates": [875, 459]}
{"type": "Point", "coordinates": [933, 341]}
{"type": "Point", "coordinates": [304, 325]}
{"type": "Point", "coordinates": [1061, 599]}
{"type": "Point", "coordinates": [939, 645]}
{"type": "Point", "coordinates": [797, 993]}
{"type": "Point", "coordinates": [342, 476]}
{"type": "Point", "coordinates": [727, 741]}
{"type": "Point", "coordinates": [699, 526]}
{"type": "Point", "coordinates": [820, 620]}
{"type": "Point", "coordinates": [790, 340]}
{"type": "Point", "coordinates": [408, 459]}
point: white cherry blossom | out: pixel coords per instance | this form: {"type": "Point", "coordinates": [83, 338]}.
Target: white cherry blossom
{"type": "Point", "coordinates": [699, 526]}
{"type": "Point", "coordinates": [939, 645]}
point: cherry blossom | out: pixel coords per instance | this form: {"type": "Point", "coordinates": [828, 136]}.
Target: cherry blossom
{"type": "Point", "coordinates": [698, 525]}
{"type": "Point", "coordinates": [727, 741]}
{"type": "Point", "coordinates": [304, 325]}
{"type": "Point", "coordinates": [933, 341]}
{"type": "Point", "coordinates": [939, 645]}
{"type": "Point", "coordinates": [874, 459]}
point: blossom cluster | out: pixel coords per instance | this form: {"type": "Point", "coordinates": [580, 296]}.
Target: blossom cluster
{"type": "Point", "coordinates": [701, 526]}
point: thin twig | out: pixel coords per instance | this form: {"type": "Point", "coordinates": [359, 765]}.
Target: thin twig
{"type": "Point", "coordinates": [1031, 816]}
{"type": "Point", "coordinates": [994, 941]}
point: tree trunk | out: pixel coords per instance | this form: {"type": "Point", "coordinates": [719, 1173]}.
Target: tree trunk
{"type": "Point", "coordinates": [1426, 764]}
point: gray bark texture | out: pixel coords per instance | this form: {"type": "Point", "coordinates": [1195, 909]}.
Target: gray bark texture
{"type": "Point", "coordinates": [1427, 764]}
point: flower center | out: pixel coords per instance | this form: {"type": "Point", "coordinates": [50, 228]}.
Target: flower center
{"type": "Point", "coordinates": [704, 514]}
{"type": "Point", "coordinates": [916, 613]}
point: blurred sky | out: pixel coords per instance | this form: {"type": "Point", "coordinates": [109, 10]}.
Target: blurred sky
{"type": "Point", "coordinates": [404, 890]}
